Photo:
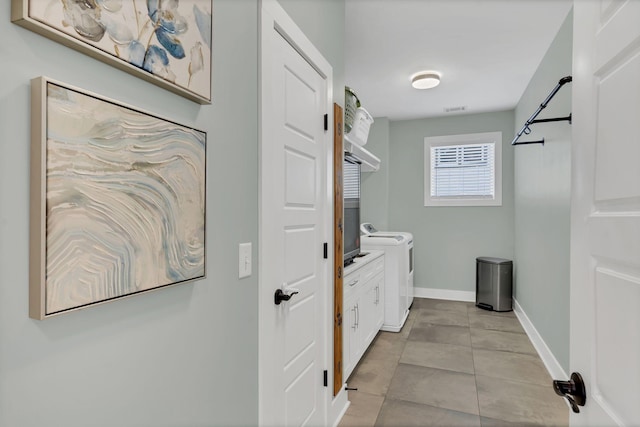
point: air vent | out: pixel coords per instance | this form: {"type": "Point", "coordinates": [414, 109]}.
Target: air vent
{"type": "Point", "coordinates": [455, 109]}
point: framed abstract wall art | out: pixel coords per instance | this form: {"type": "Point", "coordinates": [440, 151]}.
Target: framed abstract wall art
{"type": "Point", "coordinates": [166, 42]}
{"type": "Point", "coordinates": [117, 200]}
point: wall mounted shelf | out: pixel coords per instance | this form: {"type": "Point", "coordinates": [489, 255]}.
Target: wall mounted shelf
{"type": "Point", "coordinates": [370, 163]}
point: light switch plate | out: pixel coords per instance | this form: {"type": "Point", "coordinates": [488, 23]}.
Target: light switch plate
{"type": "Point", "coordinates": [244, 260]}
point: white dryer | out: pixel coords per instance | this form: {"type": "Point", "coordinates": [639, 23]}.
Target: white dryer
{"type": "Point", "coordinates": [398, 272]}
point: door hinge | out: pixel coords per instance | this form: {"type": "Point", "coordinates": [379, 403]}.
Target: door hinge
{"type": "Point", "coordinates": [326, 250]}
{"type": "Point", "coordinates": [326, 122]}
{"type": "Point", "coordinates": [326, 378]}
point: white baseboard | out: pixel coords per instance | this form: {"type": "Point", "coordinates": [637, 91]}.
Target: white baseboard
{"type": "Point", "coordinates": [468, 296]}
{"type": "Point", "coordinates": [339, 406]}
{"type": "Point", "coordinates": [549, 360]}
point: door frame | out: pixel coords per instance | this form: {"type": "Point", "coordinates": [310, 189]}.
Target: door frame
{"type": "Point", "coordinates": [272, 17]}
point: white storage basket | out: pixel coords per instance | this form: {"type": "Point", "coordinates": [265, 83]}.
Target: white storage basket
{"type": "Point", "coordinates": [361, 124]}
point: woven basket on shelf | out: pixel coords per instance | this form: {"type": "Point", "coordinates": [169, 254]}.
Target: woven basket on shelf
{"type": "Point", "coordinates": [351, 103]}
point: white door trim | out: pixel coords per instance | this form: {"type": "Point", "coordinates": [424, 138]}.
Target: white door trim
{"type": "Point", "coordinates": [273, 17]}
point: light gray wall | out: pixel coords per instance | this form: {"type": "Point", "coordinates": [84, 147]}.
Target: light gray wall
{"type": "Point", "coordinates": [186, 355]}
{"type": "Point", "coordinates": [374, 204]}
{"type": "Point", "coordinates": [178, 356]}
{"type": "Point", "coordinates": [447, 240]}
{"type": "Point", "coordinates": [542, 203]}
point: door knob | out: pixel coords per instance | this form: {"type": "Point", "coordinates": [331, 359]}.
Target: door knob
{"type": "Point", "coordinates": [573, 390]}
{"type": "Point", "coordinates": [280, 296]}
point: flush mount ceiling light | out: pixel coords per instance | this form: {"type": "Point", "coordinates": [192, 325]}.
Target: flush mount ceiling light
{"type": "Point", "coordinates": [425, 80]}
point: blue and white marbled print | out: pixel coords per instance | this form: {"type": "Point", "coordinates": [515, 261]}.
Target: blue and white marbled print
{"type": "Point", "coordinates": [125, 201]}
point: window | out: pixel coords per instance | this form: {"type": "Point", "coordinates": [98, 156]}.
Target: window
{"type": "Point", "coordinates": [351, 179]}
{"type": "Point", "coordinates": [463, 170]}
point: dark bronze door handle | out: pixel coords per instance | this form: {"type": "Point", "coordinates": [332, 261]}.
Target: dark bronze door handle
{"type": "Point", "coordinates": [573, 390]}
{"type": "Point", "coordinates": [281, 296]}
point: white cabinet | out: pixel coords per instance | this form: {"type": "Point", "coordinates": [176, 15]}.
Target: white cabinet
{"type": "Point", "coordinates": [351, 337]}
{"type": "Point", "coordinates": [363, 308]}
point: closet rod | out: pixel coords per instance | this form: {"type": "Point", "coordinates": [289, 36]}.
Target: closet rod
{"type": "Point", "coordinates": [526, 130]}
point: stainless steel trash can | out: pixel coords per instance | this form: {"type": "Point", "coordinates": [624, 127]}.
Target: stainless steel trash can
{"type": "Point", "coordinates": [494, 283]}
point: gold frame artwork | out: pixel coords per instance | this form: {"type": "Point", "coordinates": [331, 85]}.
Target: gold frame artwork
{"type": "Point", "coordinates": [118, 200]}
{"type": "Point", "coordinates": [165, 43]}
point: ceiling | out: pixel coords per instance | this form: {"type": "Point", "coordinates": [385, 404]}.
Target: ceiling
{"type": "Point", "coordinates": [486, 50]}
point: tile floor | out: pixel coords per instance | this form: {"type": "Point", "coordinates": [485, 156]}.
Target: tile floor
{"type": "Point", "coordinates": [453, 365]}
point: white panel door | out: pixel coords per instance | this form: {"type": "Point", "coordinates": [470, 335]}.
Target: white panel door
{"type": "Point", "coordinates": [294, 224]}
{"type": "Point", "coordinates": [605, 217]}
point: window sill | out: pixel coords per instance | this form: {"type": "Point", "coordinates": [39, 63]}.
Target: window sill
{"type": "Point", "coordinates": [463, 202]}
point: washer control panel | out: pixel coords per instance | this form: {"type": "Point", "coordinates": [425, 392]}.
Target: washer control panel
{"type": "Point", "coordinates": [367, 228]}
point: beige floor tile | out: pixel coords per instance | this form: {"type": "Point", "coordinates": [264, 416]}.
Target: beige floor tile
{"type": "Point", "coordinates": [408, 324]}
{"type": "Point", "coordinates": [500, 340]}
{"type": "Point", "coordinates": [438, 304]}
{"type": "Point", "coordinates": [435, 355]}
{"type": "Point", "coordinates": [499, 323]}
{"type": "Point", "coordinates": [408, 414]}
{"type": "Point", "coordinates": [445, 334]}
{"type": "Point", "coordinates": [373, 375]}
{"type": "Point", "coordinates": [441, 317]}
{"type": "Point", "coordinates": [511, 366]}
{"type": "Point", "coordinates": [349, 420]}
{"type": "Point", "coordinates": [423, 374]}
{"type": "Point", "coordinates": [490, 422]}
{"type": "Point", "coordinates": [435, 387]}
{"type": "Point", "coordinates": [363, 410]}
{"type": "Point", "coordinates": [387, 346]}
{"type": "Point", "coordinates": [473, 309]}
{"type": "Point", "coordinates": [518, 402]}
{"type": "Point", "coordinates": [413, 310]}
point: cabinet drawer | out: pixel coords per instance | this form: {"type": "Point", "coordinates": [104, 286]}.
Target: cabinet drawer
{"type": "Point", "coordinates": [371, 269]}
{"type": "Point", "coordinates": [351, 282]}
{"type": "Point", "coordinates": [378, 265]}
{"type": "Point", "coordinates": [367, 273]}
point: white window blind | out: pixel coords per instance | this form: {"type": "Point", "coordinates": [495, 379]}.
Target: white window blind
{"type": "Point", "coordinates": [351, 180]}
{"type": "Point", "coordinates": [463, 171]}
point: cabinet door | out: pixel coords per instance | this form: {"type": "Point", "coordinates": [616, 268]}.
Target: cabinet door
{"type": "Point", "coordinates": [355, 336]}
{"type": "Point", "coordinates": [367, 314]}
{"type": "Point", "coordinates": [379, 302]}
{"type": "Point", "coordinates": [350, 336]}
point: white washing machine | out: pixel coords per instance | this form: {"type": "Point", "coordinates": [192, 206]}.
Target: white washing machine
{"type": "Point", "coordinates": [398, 272]}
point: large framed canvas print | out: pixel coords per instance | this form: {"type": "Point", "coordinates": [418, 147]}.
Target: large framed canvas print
{"type": "Point", "coordinates": [117, 200]}
{"type": "Point", "coordinates": [166, 42]}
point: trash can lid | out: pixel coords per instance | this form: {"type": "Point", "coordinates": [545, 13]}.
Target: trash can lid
{"type": "Point", "coordinates": [492, 260]}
